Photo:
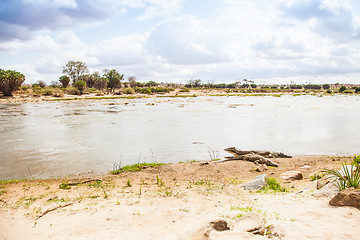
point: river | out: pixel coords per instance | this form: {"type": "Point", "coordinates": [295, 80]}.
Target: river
{"type": "Point", "coordinates": [50, 139]}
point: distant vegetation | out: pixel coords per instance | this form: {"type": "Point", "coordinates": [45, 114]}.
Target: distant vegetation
{"type": "Point", "coordinates": [77, 81]}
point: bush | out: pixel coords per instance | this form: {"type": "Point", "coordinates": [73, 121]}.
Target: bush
{"type": "Point", "coordinates": [357, 89]}
{"type": "Point", "coordinates": [48, 92]}
{"type": "Point", "coordinates": [273, 184]}
{"type": "Point", "coordinates": [356, 160]}
{"type": "Point", "coordinates": [342, 89]}
{"type": "Point", "coordinates": [58, 93]}
{"type": "Point", "coordinates": [81, 85]}
{"type": "Point", "coordinates": [184, 90]}
{"type": "Point", "coordinates": [348, 178]}
{"type": "Point", "coordinates": [326, 86]}
{"type": "Point", "coordinates": [129, 91]}
{"type": "Point", "coordinates": [72, 91]}
{"type": "Point", "coordinates": [10, 81]}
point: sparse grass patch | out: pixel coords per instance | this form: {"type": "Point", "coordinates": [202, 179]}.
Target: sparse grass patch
{"type": "Point", "coordinates": [273, 184]}
{"type": "Point", "coordinates": [134, 167]}
{"type": "Point", "coordinates": [128, 183]}
{"type": "Point", "coordinates": [316, 176]}
{"type": "Point", "coordinates": [64, 186]}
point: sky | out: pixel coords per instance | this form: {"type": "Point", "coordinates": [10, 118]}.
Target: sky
{"type": "Point", "coordinates": [279, 41]}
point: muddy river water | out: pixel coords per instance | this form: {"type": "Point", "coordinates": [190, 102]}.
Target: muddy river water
{"type": "Point", "coordinates": [62, 138]}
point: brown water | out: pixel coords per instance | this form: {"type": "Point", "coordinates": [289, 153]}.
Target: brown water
{"type": "Point", "coordinates": [62, 138]}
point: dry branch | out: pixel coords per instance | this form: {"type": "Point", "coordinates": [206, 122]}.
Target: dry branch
{"type": "Point", "coordinates": [53, 209]}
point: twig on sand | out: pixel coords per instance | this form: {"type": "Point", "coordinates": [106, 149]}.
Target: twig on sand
{"type": "Point", "coordinates": [82, 182]}
{"type": "Point", "coordinates": [53, 209]}
{"type": "Point", "coordinates": [4, 203]}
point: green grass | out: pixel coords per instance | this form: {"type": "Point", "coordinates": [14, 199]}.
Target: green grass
{"type": "Point", "coordinates": [64, 186]}
{"type": "Point", "coordinates": [134, 167]}
{"type": "Point", "coordinates": [347, 178]}
{"type": "Point", "coordinates": [273, 184]}
{"type": "Point", "coordinates": [316, 176]}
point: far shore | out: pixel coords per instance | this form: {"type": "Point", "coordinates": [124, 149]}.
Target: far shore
{"type": "Point", "coordinates": [176, 201]}
{"type": "Point", "coordinates": [20, 97]}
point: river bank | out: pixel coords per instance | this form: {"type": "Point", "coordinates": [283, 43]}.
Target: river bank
{"type": "Point", "coordinates": [175, 201]}
{"type": "Point", "coordinates": [24, 97]}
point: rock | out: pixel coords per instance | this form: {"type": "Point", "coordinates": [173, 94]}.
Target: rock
{"type": "Point", "coordinates": [305, 167]}
{"type": "Point", "coordinates": [329, 190]}
{"type": "Point", "coordinates": [348, 197]}
{"type": "Point", "coordinates": [261, 168]}
{"type": "Point", "coordinates": [249, 223]}
{"type": "Point", "coordinates": [257, 183]}
{"type": "Point", "coordinates": [220, 225]}
{"type": "Point", "coordinates": [321, 182]}
{"type": "Point", "coordinates": [292, 175]}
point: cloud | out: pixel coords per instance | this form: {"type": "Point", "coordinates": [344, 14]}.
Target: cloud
{"type": "Point", "coordinates": [20, 19]}
{"type": "Point", "coordinates": [185, 41]}
{"type": "Point", "coordinates": [332, 19]}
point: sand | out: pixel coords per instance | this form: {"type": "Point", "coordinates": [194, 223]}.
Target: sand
{"type": "Point", "coordinates": [176, 201]}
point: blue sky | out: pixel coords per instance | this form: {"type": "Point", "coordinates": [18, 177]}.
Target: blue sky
{"type": "Point", "coordinates": [278, 41]}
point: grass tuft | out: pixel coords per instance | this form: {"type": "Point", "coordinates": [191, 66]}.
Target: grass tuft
{"type": "Point", "coordinates": [134, 167]}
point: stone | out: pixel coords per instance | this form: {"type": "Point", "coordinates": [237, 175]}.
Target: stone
{"type": "Point", "coordinates": [321, 182]}
{"type": "Point", "coordinates": [249, 222]}
{"type": "Point", "coordinates": [348, 197]}
{"type": "Point", "coordinates": [292, 175]}
{"type": "Point", "coordinates": [220, 225]}
{"type": "Point", "coordinates": [329, 190]}
{"type": "Point", "coordinates": [257, 183]}
{"type": "Point", "coordinates": [261, 168]}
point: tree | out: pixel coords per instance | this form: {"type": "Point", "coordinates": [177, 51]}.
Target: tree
{"type": "Point", "coordinates": [64, 80]}
{"type": "Point", "coordinates": [114, 78]}
{"type": "Point", "coordinates": [81, 85]}
{"type": "Point", "coordinates": [75, 70]}
{"type": "Point", "coordinates": [89, 79]}
{"type": "Point", "coordinates": [132, 81]}
{"type": "Point", "coordinates": [10, 81]}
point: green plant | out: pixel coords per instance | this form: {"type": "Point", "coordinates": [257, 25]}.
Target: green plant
{"type": "Point", "coordinates": [133, 168]}
{"type": "Point", "coordinates": [81, 85]}
{"type": "Point", "coordinates": [159, 181]}
{"type": "Point", "coordinates": [128, 183]}
{"type": "Point", "coordinates": [356, 160]}
{"type": "Point", "coordinates": [64, 186]}
{"type": "Point", "coordinates": [129, 91]}
{"type": "Point", "coordinates": [342, 89]}
{"type": "Point", "coordinates": [346, 178]}
{"type": "Point", "coordinates": [273, 184]}
{"type": "Point", "coordinates": [316, 176]}
{"type": "Point", "coordinates": [10, 81]}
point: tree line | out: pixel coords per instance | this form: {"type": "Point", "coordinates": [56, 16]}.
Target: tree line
{"type": "Point", "coordinates": [76, 75]}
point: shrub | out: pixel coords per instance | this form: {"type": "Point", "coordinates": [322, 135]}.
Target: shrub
{"type": "Point", "coordinates": [10, 81]}
{"type": "Point", "coordinates": [72, 91]}
{"type": "Point", "coordinates": [326, 86]}
{"type": "Point", "coordinates": [347, 178]}
{"type": "Point", "coordinates": [184, 90]}
{"type": "Point", "coordinates": [81, 85]}
{"type": "Point", "coordinates": [58, 93]}
{"type": "Point", "coordinates": [48, 92]}
{"type": "Point", "coordinates": [357, 89]}
{"type": "Point", "coordinates": [356, 160]}
{"type": "Point", "coordinates": [273, 184]}
{"type": "Point", "coordinates": [129, 91]}
{"type": "Point", "coordinates": [342, 89]}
